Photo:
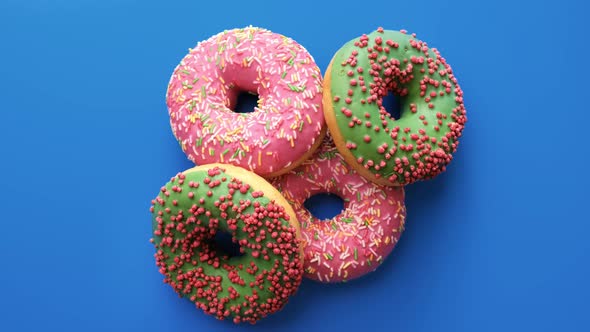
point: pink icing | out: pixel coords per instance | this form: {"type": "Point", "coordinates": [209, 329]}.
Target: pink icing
{"type": "Point", "coordinates": [204, 87]}
{"type": "Point", "coordinates": [356, 241]}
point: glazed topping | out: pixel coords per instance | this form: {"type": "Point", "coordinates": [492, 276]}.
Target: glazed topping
{"type": "Point", "coordinates": [187, 214]}
{"type": "Point", "coordinates": [203, 91]}
{"type": "Point", "coordinates": [357, 240]}
{"type": "Point", "coordinates": [418, 145]}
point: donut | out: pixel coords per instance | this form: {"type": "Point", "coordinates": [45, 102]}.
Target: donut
{"type": "Point", "coordinates": [419, 145]}
{"type": "Point", "coordinates": [282, 131]}
{"type": "Point", "coordinates": [198, 203]}
{"type": "Point", "coordinates": [356, 241]}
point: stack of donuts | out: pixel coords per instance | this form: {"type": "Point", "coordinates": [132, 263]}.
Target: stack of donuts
{"type": "Point", "coordinates": [307, 135]}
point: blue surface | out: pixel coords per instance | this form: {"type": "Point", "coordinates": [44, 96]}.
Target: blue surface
{"type": "Point", "coordinates": [498, 242]}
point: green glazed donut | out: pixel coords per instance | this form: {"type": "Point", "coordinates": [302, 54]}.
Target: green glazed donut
{"type": "Point", "coordinates": [385, 150]}
{"type": "Point", "coordinates": [193, 207]}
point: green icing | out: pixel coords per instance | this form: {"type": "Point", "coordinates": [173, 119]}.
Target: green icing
{"type": "Point", "coordinates": [184, 203]}
{"type": "Point", "coordinates": [445, 104]}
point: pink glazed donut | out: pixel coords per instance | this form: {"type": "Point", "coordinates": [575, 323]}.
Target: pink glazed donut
{"type": "Point", "coordinates": [286, 126]}
{"type": "Point", "coordinates": [356, 241]}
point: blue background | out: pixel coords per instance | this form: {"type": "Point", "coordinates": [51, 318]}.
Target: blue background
{"type": "Point", "coordinates": [498, 242]}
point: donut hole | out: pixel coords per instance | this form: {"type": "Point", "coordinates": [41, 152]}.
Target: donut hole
{"type": "Point", "coordinates": [392, 105]}
{"type": "Point", "coordinates": [324, 206]}
{"type": "Point", "coordinates": [224, 245]}
{"type": "Point", "coordinates": [245, 102]}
